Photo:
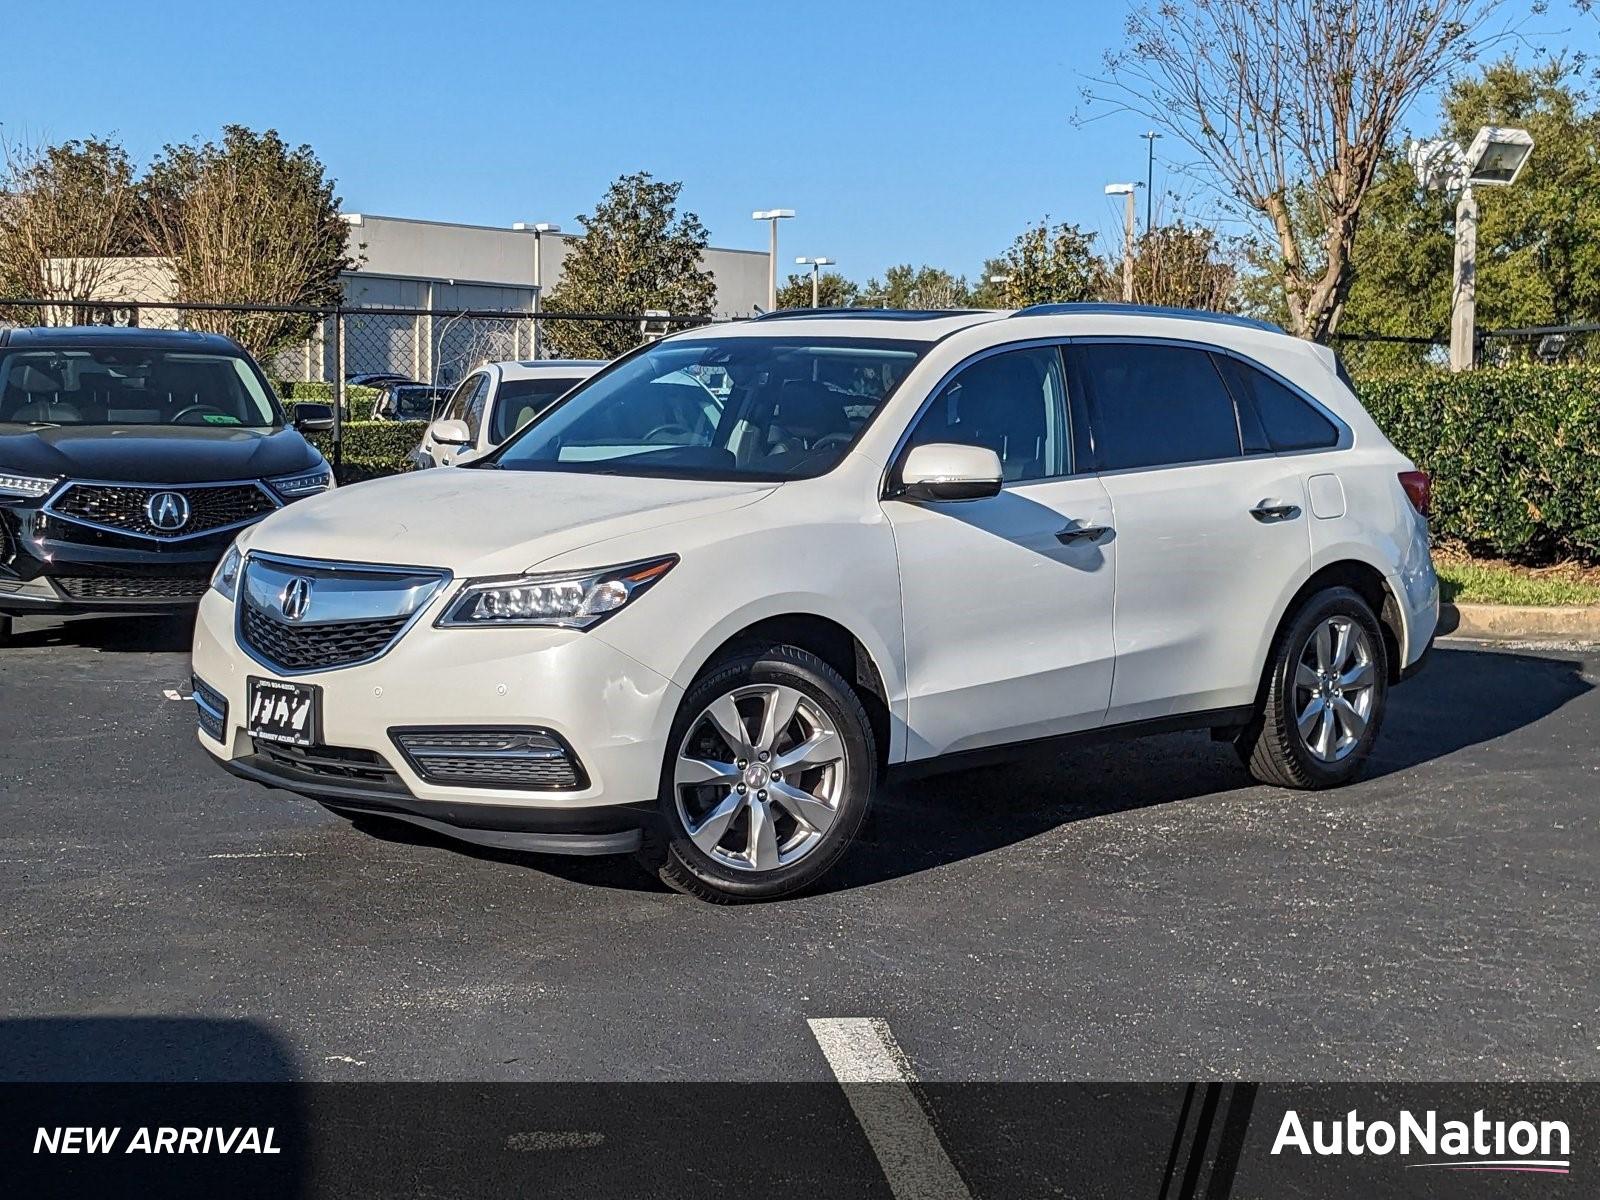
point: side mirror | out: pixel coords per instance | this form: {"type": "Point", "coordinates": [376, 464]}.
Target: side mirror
{"type": "Point", "coordinates": [313, 418]}
{"type": "Point", "coordinates": [451, 433]}
{"type": "Point", "coordinates": [948, 471]}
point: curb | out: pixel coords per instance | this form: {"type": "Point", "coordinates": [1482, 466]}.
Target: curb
{"type": "Point", "coordinates": [1518, 622]}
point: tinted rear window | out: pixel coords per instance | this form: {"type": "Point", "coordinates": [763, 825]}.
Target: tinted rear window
{"type": "Point", "coordinates": [1287, 420]}
{"type": "Point", "coordinates": [1154, 405]}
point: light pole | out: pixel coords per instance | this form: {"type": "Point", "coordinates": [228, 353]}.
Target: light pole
{"type": "Point", "coordinates": [1149, 175]}
{"type": "Point", "coordinates": [815, 264]}
{"type": "Point", "coordinates": [537, 229]}
{"type": "Point", "coordinates": [1125, 189]}
{"type": "Point", "coordinates": [774, 215]}
{"type": "Point", "coordinates": [1494, 159]}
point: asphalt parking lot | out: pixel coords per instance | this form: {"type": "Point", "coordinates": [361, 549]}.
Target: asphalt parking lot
{"type": "Point", "coordinates": [1138, 910]}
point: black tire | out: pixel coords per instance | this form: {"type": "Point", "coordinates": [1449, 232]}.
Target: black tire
{"type": "Point", "coordinates": [5, 629]}
{"type": "Point", "coordinates": [1272, 746]}
{"type": "Point", "coordinates": [668, 851]}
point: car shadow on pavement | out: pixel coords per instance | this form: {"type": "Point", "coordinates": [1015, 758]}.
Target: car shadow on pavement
{"type": "Point", "coordinates": [142, 1050]}
{"type": "Point", "coordinates": [156, 633]}
{"type": "Point", "coordinates": [931, 822]}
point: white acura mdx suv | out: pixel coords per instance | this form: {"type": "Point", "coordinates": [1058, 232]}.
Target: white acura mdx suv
{"type": "Point", "coordinates": [701, 607]}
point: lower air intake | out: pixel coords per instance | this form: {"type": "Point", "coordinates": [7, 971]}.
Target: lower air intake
{"type": "Point", "coordinates": [525, 759]}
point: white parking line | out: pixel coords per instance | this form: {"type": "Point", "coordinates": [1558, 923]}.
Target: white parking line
{"type": "Point", "coordinates": [878, 1081]}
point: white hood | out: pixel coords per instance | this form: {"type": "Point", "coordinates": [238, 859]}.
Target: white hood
{"type": "Point", "coordinates": [487, 522]}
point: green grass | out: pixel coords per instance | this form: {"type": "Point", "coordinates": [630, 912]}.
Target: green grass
{"type": "Point", "coordinates": [1501, 583]}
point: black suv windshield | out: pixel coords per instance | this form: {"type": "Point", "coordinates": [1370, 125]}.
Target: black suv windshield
{"type": "Point", "coordinates": [126, 385]}
{"type": "Point", "coordinates": [766, 408]}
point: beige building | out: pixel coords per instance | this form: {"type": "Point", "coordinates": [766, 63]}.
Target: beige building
{"type": "Point", "coordinates": [429, 273]}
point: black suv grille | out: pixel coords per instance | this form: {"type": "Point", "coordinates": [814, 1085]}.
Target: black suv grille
{"type": "Point", "coordinates": [316, 647]}
{"type": "Point", "coordinates": [122, 506]}
{"type": "Point", "coordinates": [96, 587]}
{"type": "Point", "coordinates": [531, 758]}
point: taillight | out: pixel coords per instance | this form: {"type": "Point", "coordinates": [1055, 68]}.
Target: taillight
{"type": "Point", "coordinates": [1419, 490]}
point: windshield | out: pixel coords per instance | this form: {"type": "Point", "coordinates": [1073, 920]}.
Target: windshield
{"type": "Point", "coordinates": [411, 402]}
{"type": "Point", "coordinates": [518, 401]}
{"type": "Point", "coordinates": [112, 385]}
{"type": "Point", "coordinates": [768, 408]}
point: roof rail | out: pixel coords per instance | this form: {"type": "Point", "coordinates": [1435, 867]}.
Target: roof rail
{"type": "Point", "coordinates": [1103, 308]}
{"type": "Point", "coordinates": [873, 314]}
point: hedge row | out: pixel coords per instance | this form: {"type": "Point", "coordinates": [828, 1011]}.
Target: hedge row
{"type": "Point", "coordinates": [373, 448]}
{"type": "Point", "coordinates": [1514, 453]}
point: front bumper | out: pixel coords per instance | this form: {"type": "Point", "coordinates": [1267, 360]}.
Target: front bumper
{"type": "Point", "coordinates": [614, 714]}
{"type": "Point", "coordinates": [51, 567]}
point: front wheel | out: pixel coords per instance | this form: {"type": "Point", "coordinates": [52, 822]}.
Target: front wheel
{"type": "Point", "coordinates": [1326, 688]}
{"type": "Point", "coordinates": [769, 771]}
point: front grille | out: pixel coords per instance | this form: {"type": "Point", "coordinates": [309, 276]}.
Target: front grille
{"type": "Point", "coordinates": [524, 758]}
{"type": "Point", "coordinates": [104, 587]}
{"type": "Point", "coordinates": [126, 507]}
{"type": "Point", "coordinates": [211, 708]}
{"type": "Point", "coordinates": [315, 647]}
{"type": "Point", "coordinates": [338, 763]}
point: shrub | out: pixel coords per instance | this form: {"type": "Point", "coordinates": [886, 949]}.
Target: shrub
{"type": "Point", "coordinates": [373, 448]}
{"type": "Point", "coordinates": [1514, 453]}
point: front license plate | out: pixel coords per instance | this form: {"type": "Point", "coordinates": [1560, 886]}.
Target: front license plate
{"type": "Point", "coordinates": [284, 712]}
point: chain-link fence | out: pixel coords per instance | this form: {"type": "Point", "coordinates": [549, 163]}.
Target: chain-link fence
{"type": "Point", "coordinates": [1548, 345]}
{"type": "Point", "coordinates": [341, 347]}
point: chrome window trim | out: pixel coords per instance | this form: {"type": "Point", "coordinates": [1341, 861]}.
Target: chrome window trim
{"type": "Point", "coordinates": [886, 489]}
{"type": "Point", "coordinates": [66, 485]}
{"type": "Point", "coordinates": [441, 587]}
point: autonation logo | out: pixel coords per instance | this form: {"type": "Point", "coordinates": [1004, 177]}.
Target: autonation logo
{"type": "Point", "coordinates": [1476, 1145]}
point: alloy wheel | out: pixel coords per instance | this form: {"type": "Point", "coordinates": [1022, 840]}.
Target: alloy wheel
{"type": "Point", "coordinates": [759, 776]}
{"type": "Point", "coordinates": [1335, 685]}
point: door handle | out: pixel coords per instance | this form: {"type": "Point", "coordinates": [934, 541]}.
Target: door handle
{"type": "Point", "coordinates": [1082, 533]}
{"type": "Point", "coordinates": [1267, 513]}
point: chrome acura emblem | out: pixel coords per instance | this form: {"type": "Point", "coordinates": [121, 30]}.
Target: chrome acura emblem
{"type": "Point", "coordinates": [296, 598]}
{"type": "Point", "coordinates": [168, 510]}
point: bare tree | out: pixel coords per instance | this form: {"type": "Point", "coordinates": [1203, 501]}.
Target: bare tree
{"type": "Point", "coordinates": [67, 219]}
{"type": "Point", "coordinates": [1184, 266]}
{"type": "Point", "coordinates": [1291, 103]}
{"type": "Point", "coordinates": [249, 221]}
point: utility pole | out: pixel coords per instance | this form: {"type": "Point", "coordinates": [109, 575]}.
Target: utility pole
{"type": "Point", "coordinates": [774, 215]}
{"type": "Point", "coordinates": [1464, 306]}
{"type": "Point", "coordinates": [1126, 191]}
{"type": "Point", "coordinates": [1149, 175]}
{"type": "Point", "coordinates": [815, 264]}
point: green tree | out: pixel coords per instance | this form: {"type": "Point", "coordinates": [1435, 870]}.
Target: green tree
{"type": "Point", "coordinates": [1045, 265]}
{"type": "Point", "coordinates": [833, 291]}
{"type": "Point", "coordinates": [248, 220]}
{"type": "Point", "coordinates": [1538, 241]}
{"type": "Point", "coordinates": [68, 214]}
{"type": "Point", "coordinates": [636, 253]}
{"type": "Point", "coordinates": [905, 286]}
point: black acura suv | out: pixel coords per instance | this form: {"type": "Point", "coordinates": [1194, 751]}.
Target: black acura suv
{"type": "Point", "coordinates": [130, 459]}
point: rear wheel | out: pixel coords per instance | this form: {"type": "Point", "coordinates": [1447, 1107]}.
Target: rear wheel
{"type": "Point", "coordinates": [1326, 688]}
{"type": "Point", "coordinates": [5, 629]}
{"type": "Point", "coordinates": [769, 772]}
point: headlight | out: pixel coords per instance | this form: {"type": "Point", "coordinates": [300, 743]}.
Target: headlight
{"type": "Point", "coordinates": [306, 483]}
{"type": "Point", "coordinates": [31, 486]}
{"type": "Point", "coordinates": [571, 601]}
{"type": "Point", "coordinates": [226, 577]}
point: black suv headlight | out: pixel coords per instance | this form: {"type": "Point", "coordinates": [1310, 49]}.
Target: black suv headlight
{"type": "Point", "coordinates": [303, 483]}
{"type": "Point", "coordinates": [29, 487]}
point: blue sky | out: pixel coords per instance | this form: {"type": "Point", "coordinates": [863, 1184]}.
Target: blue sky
{"type": "Point", "coordinates": [932, 131]}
